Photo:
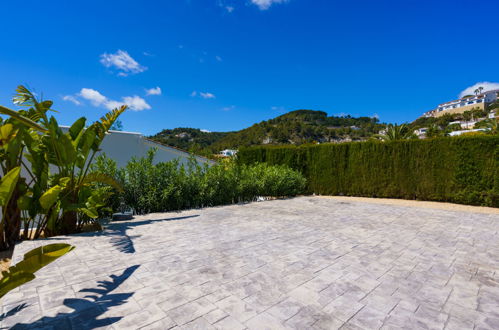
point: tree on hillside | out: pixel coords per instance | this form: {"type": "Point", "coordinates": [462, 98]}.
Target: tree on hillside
{"type": "Point", "coordinates": [491, 124]}
{"type": "Point", "coordinates": [435, 131]}
{"type": "Point", "coordinates": [397, 132]}
{"type": "Point", "coordinates": [467, 116]}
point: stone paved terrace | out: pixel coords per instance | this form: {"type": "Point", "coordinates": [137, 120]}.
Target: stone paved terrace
{"type": "Point", "coordinates": [302, 263]}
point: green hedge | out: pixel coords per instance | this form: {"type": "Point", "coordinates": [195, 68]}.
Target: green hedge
{"type": "Point", "coordinates": [458, 169]}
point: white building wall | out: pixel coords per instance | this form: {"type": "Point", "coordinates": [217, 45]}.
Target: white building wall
{"type": "Point", "coordinates": [122, 146]}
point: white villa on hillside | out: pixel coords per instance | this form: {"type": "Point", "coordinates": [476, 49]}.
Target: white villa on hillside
{"type": "Point", "coordinates": [479, 101]}
{"type": "Point", "coordinates": [228, 153]}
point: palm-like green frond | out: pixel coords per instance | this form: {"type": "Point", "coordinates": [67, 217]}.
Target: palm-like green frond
{"type": "Point", "coordinates": [109, 118]}
{"type": "Point", "coordinates": [25, 120]}
{"type": "Point", "coordinates": [24, 97]}
{"type": "Point", "coordinates": [97, 177]}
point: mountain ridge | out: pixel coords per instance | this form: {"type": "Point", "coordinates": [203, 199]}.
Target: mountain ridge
{"type": "Point", "coordinates": [295, 127]}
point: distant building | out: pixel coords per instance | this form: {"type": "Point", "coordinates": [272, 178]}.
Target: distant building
{"type": "Point", "coordinates": [480, 101]}
{"type": "Point", "coordinates": [228, 153]}
{"type": "Point", "coordinates": [421, 132]}
{"type": "Point", "coordinates": [456, 133]}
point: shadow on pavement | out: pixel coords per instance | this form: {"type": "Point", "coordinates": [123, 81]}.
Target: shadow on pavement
{"type": "Point", "coordinates": [86, 310]}
{"type": "Point", "coordinates": [119, 237]}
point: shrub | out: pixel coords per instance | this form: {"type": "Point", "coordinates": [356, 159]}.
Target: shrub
{"type": "Point", "coordinates": [459, 169]}
{"type": "Point", "coordinates": [149, 187]}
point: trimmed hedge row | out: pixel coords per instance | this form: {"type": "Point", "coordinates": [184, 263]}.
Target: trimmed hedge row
{"type": "Point", "coordinates": [458, 169]}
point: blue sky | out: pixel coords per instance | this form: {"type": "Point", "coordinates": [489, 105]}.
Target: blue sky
{"type": "Point", "coordinates": [225, 64]}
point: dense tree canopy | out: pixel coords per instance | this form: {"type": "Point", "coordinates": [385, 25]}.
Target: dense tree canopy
{"type": "Point", "coordinates": [295, 127]}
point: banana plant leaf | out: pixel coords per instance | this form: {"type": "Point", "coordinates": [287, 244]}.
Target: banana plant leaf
{"type": "Point", "coordinates": [50, 196]}
{"type": "Point", "coordinates": [12, 281]}
{"type": "Point", "coordinates": [33, 261]}
{"type": "Point", "coordinates": [7, 185]}
{"type": "Point", "coordinates": [97, 177]}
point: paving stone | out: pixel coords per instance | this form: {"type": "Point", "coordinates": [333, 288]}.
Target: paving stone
{"type": "Point", "coordinates": [237, 308]}
{"type": "Point", "coordinates": [303, 263]}
{"type": "Point", "coordinates": [286, 309]}
{"type": "Point", "coordinates": [190, 311]}
{"type": "Point", "coordinates": [343, 308]}
{"type": "Point", "coordinates": [215, 315]}
{"type": "Point", "coordinates": [229, 323]}
{"type": "Point", "coordinates": [368, 318]}
{"type": "Point", "coordinates": [163, 324]}
{"type": "Point", "coordinates": [265, 321]}
{"type": "Point", "coordinates": [197, 324]}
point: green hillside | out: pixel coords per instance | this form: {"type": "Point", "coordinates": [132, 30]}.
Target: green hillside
{"type": "Point", "coordinates": [295, 127]}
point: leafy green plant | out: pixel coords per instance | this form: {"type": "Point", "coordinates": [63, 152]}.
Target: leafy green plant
{"type": "Point", "coordinates": [34, 260]}
{"type": "Point", "coordinates": [397, 132]}
{"type": "Point", "coordinates": [149, 187]}
{"type": "Point", "coordinates": [55, 203]}
{"type": "Point", "coordinates": [434, 131]}
{"type": "Point", "coordinates": [491, 124]}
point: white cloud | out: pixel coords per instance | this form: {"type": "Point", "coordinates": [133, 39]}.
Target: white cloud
{"type": "Point", "coordinates": [72, 99]}
{"type": "Point", "coordinates": [205, 131]}
{"type": "Point", "coordinates": [111, 104]}
{"type": "Point", "coordinates": [96, 98]}
{"type": "Point", "coordinates": [265, 4]}
{"type": "Point", "coordinates": [232, 107]}
{"type": "Point", "coordinates": [229, 9]}
{"type": "Point", "coordinates": [218, 58]}
{"type": "Point", "coordinates": [207, 95]}
{"type": "Point", "coordinates": [123, 62]}
{"type": "Point", "coordinates": [487, 86]}
{"type": "Point", "coordinates": [153, 91]}
{"type": "Point", "coordinates": [204, 95]}
{"type": "Point", "coordinates": [135, 103]}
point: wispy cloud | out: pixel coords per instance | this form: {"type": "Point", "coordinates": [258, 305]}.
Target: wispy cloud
{"type": "Point", "coordinates": [207, 95]}
{"type": "Point", "coordinates": [232, 107]}
{"type": "Point", "coordinates": [72, 99]}
{"type": "Point", "coordinates": [218, 58]}
{"type": "Point", "coordinates": [278, 109]}
{"type": "Point", "coordinates": [153, 91]}
{"type": "Point", "coordinates": [135, 103]}
{"type": "Point", "coordinates": [123, 62]}
{"type": "Point", "coordinates": [487, 86]}
{"type": "Point", "coordinates": [266, 4]}
{"type": "Point", "coordinates": [229, 7]}
{"type": "Point", "coordinates": [204, 95]}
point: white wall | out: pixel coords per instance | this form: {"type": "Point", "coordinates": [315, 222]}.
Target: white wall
{"type": "Point", "coordinates": [122, 146]}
